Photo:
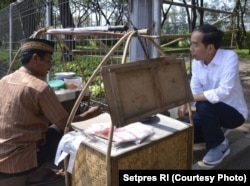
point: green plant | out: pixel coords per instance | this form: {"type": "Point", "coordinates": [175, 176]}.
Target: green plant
{"type": "Point", "coordinates": [85, 67]}
{"type": "Point", "coordinates": [243, 54]}
{"type": "Point", "coordinates": [97, 90]}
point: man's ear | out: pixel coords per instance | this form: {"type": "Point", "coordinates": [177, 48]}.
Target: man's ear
{"type": "Point", "coordinates": [211, 48]}
{"type": "Point", "coordinates": [35, 58]}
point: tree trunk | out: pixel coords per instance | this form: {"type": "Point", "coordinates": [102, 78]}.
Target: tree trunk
{"type": "Point", "coordinates": [67, 22]}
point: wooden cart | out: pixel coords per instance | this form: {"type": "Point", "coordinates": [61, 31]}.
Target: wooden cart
{"type": "Point", "coordinates": [135, 91]}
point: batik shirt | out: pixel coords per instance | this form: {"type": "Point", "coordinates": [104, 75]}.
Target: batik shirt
{"type": "Point", "coordinates": [27, 107]}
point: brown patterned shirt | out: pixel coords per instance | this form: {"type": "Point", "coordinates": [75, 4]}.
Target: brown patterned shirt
{"type": "Point", "coordinates": [27, 106]}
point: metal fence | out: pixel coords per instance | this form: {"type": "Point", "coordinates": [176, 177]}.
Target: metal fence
{"type": "Point", "coordinates": [20, 19]}
{"type": "Point", "coordinates": [13, 20]}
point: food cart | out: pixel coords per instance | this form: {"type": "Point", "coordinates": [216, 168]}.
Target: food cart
{"type": "Point", "coordinates": [134, 91]}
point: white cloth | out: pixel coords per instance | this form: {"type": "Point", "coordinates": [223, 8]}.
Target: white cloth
{"type": "Point", "coordinates": [71, 141]}
{"type": "Point", "coordinates": [219, 80]}
{"type": "Point", "coordinates": [69, 145]}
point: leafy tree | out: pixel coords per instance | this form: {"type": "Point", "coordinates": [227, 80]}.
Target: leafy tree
{"type": "Point", "coordinates": [5, 3]}
{"type": "Point", "coordinates": [67, 21]}
{"type": "Point", "coordinates": [240, 11]}
{"type": "Point", "coordinates": [29, 17]}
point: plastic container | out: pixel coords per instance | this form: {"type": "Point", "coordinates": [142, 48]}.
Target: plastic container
{"type": "Point", "coordinates": [56, 84]}
{"type": "Point", "coordinates": [73, 82]}
{"type": "Point", "coordinates": [62, 75]}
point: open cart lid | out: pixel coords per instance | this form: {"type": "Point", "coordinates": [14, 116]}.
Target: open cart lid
{"type": "Point", "coordinates": [140, 89]}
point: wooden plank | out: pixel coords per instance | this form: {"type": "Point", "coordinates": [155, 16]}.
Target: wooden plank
{"type": "Point", "coordinates": [140, 89]}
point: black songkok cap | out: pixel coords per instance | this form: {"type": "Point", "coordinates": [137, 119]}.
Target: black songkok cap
{"type": "Point", "coordinates": [36, 44]}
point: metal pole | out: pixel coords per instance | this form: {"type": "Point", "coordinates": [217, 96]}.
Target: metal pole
{"type": "Point", "coordinates": [157, 25]}
{"type": "Point", "coordinates": [141, 18]}
{"type": "Point", "coordinates": [48, 23]}
{"type": "Point", "coordinates": [48, 14]}
{"type": "Point", "coordinates": [11, 29]}
{"type": "Point", "coordinates": [10, 32]}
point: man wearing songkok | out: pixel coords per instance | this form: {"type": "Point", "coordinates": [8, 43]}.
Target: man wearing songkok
{"type": "Point", "coordinates": [32, 119]}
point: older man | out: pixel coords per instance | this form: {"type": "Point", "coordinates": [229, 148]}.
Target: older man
{"type": "Point", "coordinates": [28, 107]}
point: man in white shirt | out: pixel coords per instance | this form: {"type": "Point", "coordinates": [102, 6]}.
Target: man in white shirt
{"type": "Point", "coordinates": [217, 92]}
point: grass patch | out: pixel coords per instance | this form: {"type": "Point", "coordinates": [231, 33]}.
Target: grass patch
{"type": "Point", "coordinates": [243, 54]}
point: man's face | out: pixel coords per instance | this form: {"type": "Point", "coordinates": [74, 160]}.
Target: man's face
{"type": "Point", "coordinates": [197, 48]}
{"type": "Point", "coordinates": [41, 66]}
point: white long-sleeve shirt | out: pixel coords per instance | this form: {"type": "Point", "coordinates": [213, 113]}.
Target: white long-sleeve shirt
{"type": "Point", "coordinates": [219, 80]}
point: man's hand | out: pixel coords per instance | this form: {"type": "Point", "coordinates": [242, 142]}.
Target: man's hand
{"type": "Point", "coordinates": [93, 111]}
{"type": "Point", "coordinates": [90, 113]}
{"type": "Point", "coordinates": [182, 110]}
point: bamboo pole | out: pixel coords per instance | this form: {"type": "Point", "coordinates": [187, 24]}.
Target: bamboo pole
{"type": "Point", "coordinates": [171, 42]}
{"type": "Point", "coordinates": [76, 105]}
{"type": "Point", "coordinates": [127, 46]}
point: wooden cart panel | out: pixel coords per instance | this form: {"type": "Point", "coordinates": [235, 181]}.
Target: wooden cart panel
{"type": "Point", "coordinates": [140, 89]}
